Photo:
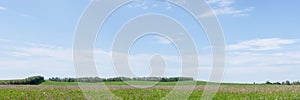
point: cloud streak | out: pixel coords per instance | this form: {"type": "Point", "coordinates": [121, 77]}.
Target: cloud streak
{"type": "Point", "coordinates": [262, 44]}
{"type": "Point", "coordinates": [260, 67]}
{"type": "Point", "coordinates": [56, 53]}
{"type": "Point", "coordinates": [40, 59]}
{"type": "Point", "coordinates": [2, 8]}
{"type": "Point", "coordinates": [162, 40]}
{"type": "Point", "coordinates": [225, 7]}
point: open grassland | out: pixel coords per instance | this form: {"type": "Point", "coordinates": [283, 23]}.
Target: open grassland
{"type": "Point", "coordinates": [120, 83]}
{"type": "Point", "coordinates": [226, 92]}
{"type": "Point", "coordinates": [131, 82]}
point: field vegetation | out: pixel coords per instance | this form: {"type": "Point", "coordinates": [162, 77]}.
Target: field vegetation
{"type": "Point", "coordinates": [228, 92]}
{"type": "Point", "coordinates": [64, 89]}
{"type": "Point", "coordinates": [118, 79]}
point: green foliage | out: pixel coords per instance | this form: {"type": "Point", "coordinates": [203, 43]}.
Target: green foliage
{"type": "Point", "coordinates": [118, 79]}
{"type": "Point", "coordinates": [296, 83]}
{"type": "Point", "coordinates": [277, 83]}
{"type": "Point", "coordinates": [283, 83]}
{"type": "Point", "coordinates": [85, 79]}
{"type": "Point", "coordinates": [287, 83]}
{"type": "Point", "coordinates": [34, 80]}
{"type": "Point", "coordinates": [268, 82]}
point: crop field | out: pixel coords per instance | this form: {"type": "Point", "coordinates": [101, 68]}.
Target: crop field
{"type": "Point", "coordinates": [54, 90]}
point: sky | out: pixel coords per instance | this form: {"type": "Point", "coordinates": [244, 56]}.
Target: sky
{"type": "Point", "coordinates": [262, 39]}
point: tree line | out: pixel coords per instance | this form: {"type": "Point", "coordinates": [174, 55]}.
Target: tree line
{"type": "Point", "coordinates": [116, 79]}
{"type": "Point", "coordinates": [34, 80]}
{"type": "Point", "coordinates": [283, 83]}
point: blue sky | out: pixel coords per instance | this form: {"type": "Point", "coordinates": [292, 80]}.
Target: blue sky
{"type": "Point", "coordinates": [262, 39]}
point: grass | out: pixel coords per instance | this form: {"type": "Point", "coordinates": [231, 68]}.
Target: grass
{"type": "Point", "coordinates": [132, 82]}
{"type": "Point", "coordinates": [118, 83]}
{"type": "Point", "coordinates": [226, 92]}
{"type": "Point", "coordinates": [59, 83]}
{"type": "Point", "coordinates": [39, 92]}
{"type": "Point", "coordinates": [50, 90]}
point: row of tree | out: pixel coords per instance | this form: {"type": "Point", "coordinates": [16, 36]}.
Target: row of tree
{"type": "Point", "coordinates": [115, 79]}
{"type": "Point", "coordinates": [283, 83]}
{"type": "Point", "coordinates": [34, 80]}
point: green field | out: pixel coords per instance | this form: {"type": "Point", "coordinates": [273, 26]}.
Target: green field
{"type": "Point", "coordinates": [133, 82]}
{"type": "Point", "coordinates": [119, 83]}
{"type": "Point", "coordinates": [70, 91]}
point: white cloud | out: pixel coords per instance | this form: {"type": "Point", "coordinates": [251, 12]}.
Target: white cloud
{"type": "Point", "coordinates": [260, 67]}
{"type": "Point", "coordinates": [162, 40]}
{"type": "Point", "coordinates": [175, 37]}
{"type": "Point", "coordinates": [220, 3]}
{"type": "Point", "coordinates": [28, 59]}
{"type": "Point", "coordinates": [232, 11]}
{"type": "Point", "coordinates": [262, 44]}
{"type": "Point", "coordinates": [225, 7]}
{"type": "Point", "coordinates": [140, 64]}
{"type": "Point", "coordinates": [248, 58]}
{"type": "Point", "coordinates": [25, 15]}
{"type": "Point", "coordinates": [35, 59]}
{"type": "Point", "coordinates": [15, 12]}
{"type": "Point", "coordinates": [57, 53]}
{"type": "Point", "coordinates": [265, 59]}
{"type": "Point", "coordinates": [150, 4]}
{"type": "Point", "coordinates": [137, 4]}
{"type": "Point", "coordinates": [2, 8]}
{"type": "Point", "coordinates": [220, 7]}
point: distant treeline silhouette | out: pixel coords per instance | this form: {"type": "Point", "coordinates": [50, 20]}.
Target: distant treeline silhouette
{"type": "Point", "coordinates": [116, 79]}
{"type": "Point", "coordinates": [283, 83]}
{"type": "Point", "coordinates": [34, 80]}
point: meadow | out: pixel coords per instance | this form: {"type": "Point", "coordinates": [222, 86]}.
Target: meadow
{"type": "Point", "coordinates": [70, 91]}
